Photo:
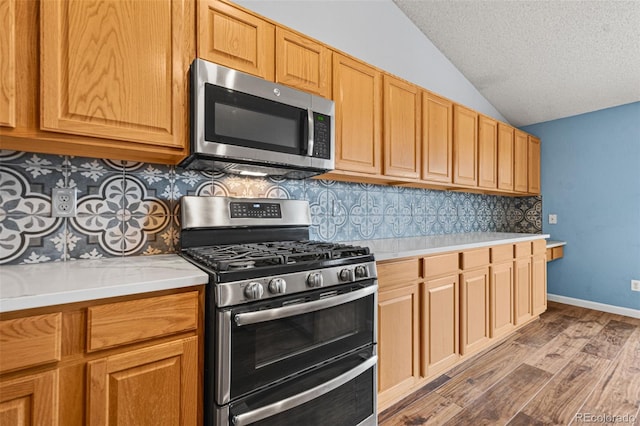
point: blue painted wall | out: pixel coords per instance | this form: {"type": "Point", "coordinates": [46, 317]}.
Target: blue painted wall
{"type": "Point", "coordinates": [591, 180]}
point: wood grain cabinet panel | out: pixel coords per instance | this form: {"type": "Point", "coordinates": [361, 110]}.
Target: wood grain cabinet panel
{"type": "Point", "coordinates": [538, 284]}
{"type": "Point", "coordinates": [302, 63]}
{"type": "Point", "coordinates": [236, 39]}
{"type": "Point", "coordinates": [533, 165]}
{"type": "Point", "coordinates": [30, 400]}
{"type": "Point", "coordinates": [127, 322]}
{"type": "Point", "coordinates": [357, 93]}
{"type": "Point", "coordinates": [398, 341]}
{"type": "Point", "coordinates": [465, 146]}
{"type": "Point", "coordinates": [402, 135]}
{"type": "Point", "coordinates": [520, 162]}
{"type": "Point", "coordinates": [437, 138]}
{"type": "Point", "coordinates": [487, 153]}
{"type": "Point", "coordinates": [440, 324]}
{"type": "Point", "coordinates": [150, 386]}
{"type": "Point", "coordinates": [474, 310]}
{"type": "Point", "coordinates": [505, 157]}
{"type": "Point", "coordinates": [8, 63]}
{"type": "Point", "coordinates": [29, 341]}
{"type": "Point", "coordinates": [116, 69]}
{"type": "Point", "coordinates": [522, 281]}
{"type": "Point", "coordinates": [502, 298]}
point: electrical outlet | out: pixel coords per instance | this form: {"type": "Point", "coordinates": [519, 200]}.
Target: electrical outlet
{"type": "Point", "coordinates": [553, 219]}
{"type": "Point", "coordinates": [635, 285]}
{"type": "Point", "coordinates": [63, 202]}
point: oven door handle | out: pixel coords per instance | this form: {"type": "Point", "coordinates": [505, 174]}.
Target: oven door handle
{"type": "Point", "coordinates": [306, 396]}
{"type": "Point", "coordinates": [302, 308]}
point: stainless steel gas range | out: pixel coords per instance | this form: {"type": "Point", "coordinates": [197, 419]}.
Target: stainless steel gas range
{"type": "Point", "coordinates": [290, 324]}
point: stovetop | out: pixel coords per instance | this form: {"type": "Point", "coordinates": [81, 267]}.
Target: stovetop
{"type": "Point", "coordinates": [249, 260]}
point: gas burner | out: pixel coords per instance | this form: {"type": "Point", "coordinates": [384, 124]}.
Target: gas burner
{"type": "Point", "coordinates": [241, 264]}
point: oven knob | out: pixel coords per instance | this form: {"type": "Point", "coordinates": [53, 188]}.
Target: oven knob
{"type": "Point", "coordinates": [361, 271]}
{"type": "Point", "coordinates": [347, 275]}
{"type": "Point", "coordinates": [315, 279]}
{"type": "Point", "coordinates": [253, 291]}
{"type": "Point", "coordinates": [277, 285]}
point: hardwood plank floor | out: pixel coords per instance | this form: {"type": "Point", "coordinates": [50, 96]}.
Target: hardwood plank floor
{"type": "Point", "coordinates": [566, 368]}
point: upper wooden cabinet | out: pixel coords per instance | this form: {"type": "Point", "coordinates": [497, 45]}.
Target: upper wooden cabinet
{"type": "Point", "coordinates": [116, 69]}
{"type": "Point", "coordinates": [236, 39]}
{"type": "Point", "coordinates": [533, 165]}
{"type": "Point", "coordinates": [505, 157]}
{"type": "Point", "coordinates": [437, 138]}
{"type": "Point", "coordinates": [357, 93]}
{"type": "Point", "coordinates": [487, 152]}
{"type": "Point", "coordinates": [402, 142]}
{"type": "Point", "coordinates": [8, 63]}
{"type": "Point", "coordinates": [465, 146]}
{"type": "Point", "coordinates": [520, 162]}
{"type": "Point", "coordinates": [303, 63]}
{"type": "Point", "coordinates": [98, 79]}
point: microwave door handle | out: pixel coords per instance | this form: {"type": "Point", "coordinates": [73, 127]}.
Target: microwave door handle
{"type": "Point", "coordinates": [302, 308]}
{"type": "Point", "coordinates": [309, 132]}
{"type": "Point", "coordinates": [306, 396]}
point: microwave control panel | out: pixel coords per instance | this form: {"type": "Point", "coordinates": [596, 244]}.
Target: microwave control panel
{"type": "Point", "coordinates": [321, 135]}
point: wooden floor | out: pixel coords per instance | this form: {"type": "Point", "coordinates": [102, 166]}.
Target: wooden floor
{"type": "Point", "coordinates": [568, 367]}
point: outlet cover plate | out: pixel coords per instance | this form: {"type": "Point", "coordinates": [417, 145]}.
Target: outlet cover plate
{"type": "Point", "coordinates": [63, 202]}
{"type": "Point", "coordinates": [635, 285]}
{"type": "Point", "coordinates": [553, 219]}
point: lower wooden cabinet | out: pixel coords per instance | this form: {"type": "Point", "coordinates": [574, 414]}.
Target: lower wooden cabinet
{"type": "Point", "coordinates": [30, 400]}
{"type": "Point", "coordinates": [434, 312]}
{"type": "Point", "coordinates": [151, 377]}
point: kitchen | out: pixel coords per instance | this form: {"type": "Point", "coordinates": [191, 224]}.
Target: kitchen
{"type": "Point", "coordinates": [131, 208]}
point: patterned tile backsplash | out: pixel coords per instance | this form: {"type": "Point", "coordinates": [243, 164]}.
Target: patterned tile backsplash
{"type": "Point", "coordinates": [130, 208]}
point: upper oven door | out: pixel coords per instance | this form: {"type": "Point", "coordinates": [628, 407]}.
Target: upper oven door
{"type": "Point", "coordinates": [270, 341]}
{"type": "Point", "coordinates": [241, 117]}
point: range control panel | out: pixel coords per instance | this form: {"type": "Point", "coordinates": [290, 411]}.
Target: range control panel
{"type": "Point", "coordinates": [255, 210]}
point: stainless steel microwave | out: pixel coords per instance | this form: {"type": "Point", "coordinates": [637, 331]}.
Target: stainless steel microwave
{"type": "Point", "coordinates": [243, 124]}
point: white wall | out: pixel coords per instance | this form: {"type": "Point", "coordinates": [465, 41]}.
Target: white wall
{"type": "Point", "coordinates": [377, 32]}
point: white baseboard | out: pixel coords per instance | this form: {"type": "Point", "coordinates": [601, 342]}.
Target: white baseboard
{"type": "Point", "coordinates": [633, 313]}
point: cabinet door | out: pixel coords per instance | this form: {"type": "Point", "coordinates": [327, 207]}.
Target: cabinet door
{"type": "Point", "coordinates": [116, 69]}
{"type": "Point", "coordinates": [474, 306]}
{"type": "Point", "coordinates": [437, 138]}
{"type": "Point", "coordinates": [30, 400]}
{"type": "Point", "coordinates": [505, 157]}
{"type": "Point", "coordinates": [465, 146]}
{"type": "Point", "coordinates": [533, 165]}
{"type": "Point", "coordinates": [502, 299]}
{"type": "Point", "coordinates": [236, 39]}
{"type": "Point", "coordinates": [523, 290]}
{"type": "Point", "coordinates": [402, 143]}
{"type": "Point", "coordinates": [8, 63]}
{"type": "Point", "coordinates": [398, 340]}
{"type": "Point", "coordinates": [151, 386]}
{"type": "Point", "coordinates": [302, 63]}
{"type": "Point", "coordinates": [538, 284]}
{"type": "Point", "coordinates": [357, 93]}
{"type": "Point", "coordinates": [440, 324]}
{"type": "Point", "coordinates": [487, 153]}
{"type": "Point", "coordinates": [520, 162]}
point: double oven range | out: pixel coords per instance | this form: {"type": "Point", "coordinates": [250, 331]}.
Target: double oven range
{"type": "Point", "coordinates": [290, 324]}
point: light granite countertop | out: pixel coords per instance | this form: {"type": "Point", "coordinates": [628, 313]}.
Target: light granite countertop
{"type": "Point", "coordinates": [54, 283]}
{"type": "Point", "coordinates": [394, 248]}
{"type": "Point", "coordinates": [554, 243]}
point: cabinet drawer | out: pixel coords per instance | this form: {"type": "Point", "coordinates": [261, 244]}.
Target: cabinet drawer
{"type": "Point", "coordinates": [398, 273]}
{"type": "Point", "coordinates": [475, 258]}
{"type": "Point", "coordinates": [522, 249]}
{"type": "Point", "coordinates": [539, 246]}
{"type": "Point", "coordinates": [29, 341]}
{"type": "Point", "coordinates": [558, 252]}
{"type": "Point", "coordinates": [128, 322]}
{"type": "Point", "coordinates": [502, 253]}
{"type": "Point", "coordinates": [441, 264]}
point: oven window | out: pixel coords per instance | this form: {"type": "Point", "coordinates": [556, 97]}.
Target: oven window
{"type": "Point", "coordinates": [266, 352]}
{"type": "Point", "coordinates": [348, 404]}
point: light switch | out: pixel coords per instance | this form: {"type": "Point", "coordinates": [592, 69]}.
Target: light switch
{"type": "Point", "coordinates": [553, 219]}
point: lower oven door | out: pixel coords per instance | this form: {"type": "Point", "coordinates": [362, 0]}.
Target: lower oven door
{"type": "Point", "coordinates": [340, 393]}
{"type": "Point", "coordinates": [267, 342]}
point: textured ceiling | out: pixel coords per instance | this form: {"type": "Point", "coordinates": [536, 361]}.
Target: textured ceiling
{"type": "Point", "coordinates": [539, 60]}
